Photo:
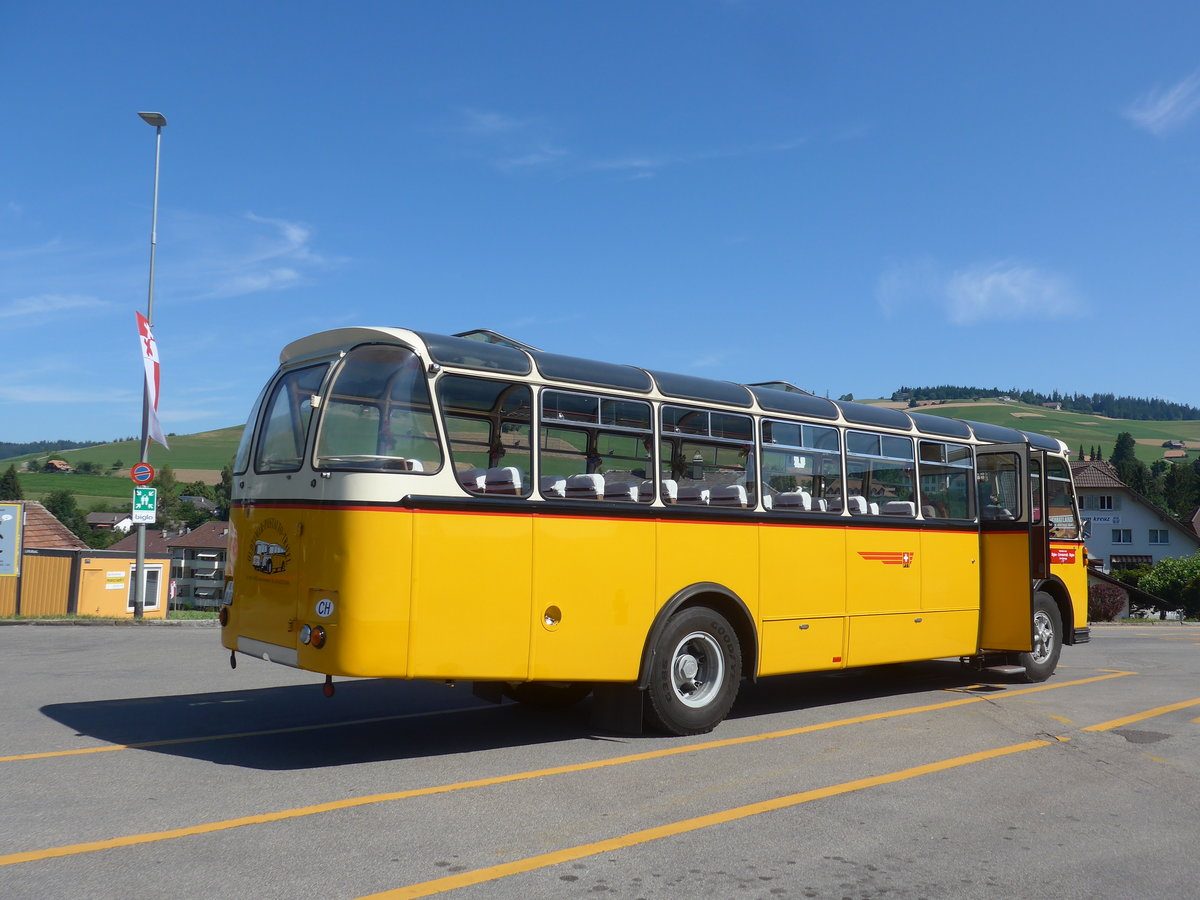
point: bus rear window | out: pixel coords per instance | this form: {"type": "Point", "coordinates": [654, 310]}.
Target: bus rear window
{"type": "Point", "coordinates": [377, 414]}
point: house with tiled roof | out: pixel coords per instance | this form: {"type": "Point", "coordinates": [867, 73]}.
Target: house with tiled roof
{"type": "Point", "coordinates": [108, 521]}
{"type": "Point", "coordinates": [1127, 530]}
{"type": "Point", "coordinates": [44, 532]}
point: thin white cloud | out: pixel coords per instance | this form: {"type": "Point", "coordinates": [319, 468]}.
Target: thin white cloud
{"type": "Point", "coordinates": [1007, 290]}
{"type": "Point", "coordinates": [43, 304]}
{"type": "Point", "coordinates": [646, 166]}
{"type": "Point", "coordinates": [1164, 110]}
{"type": "Point", "coordinates": [258, 254]}
{"type": "Point", "coordinates": [41, 393]}
{"type": "Point", "coordinates": [989, 291]}
{"type": "Point", "coordinates": [484, 123]}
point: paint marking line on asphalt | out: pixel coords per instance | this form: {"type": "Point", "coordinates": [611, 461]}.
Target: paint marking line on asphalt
{"type": "Point", "coordinates": [352, 802]}
{"type": "Point", "coordinates": [683, 826]}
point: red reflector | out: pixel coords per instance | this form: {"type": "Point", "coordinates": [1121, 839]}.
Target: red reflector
{"type": "Point", "coordinates": [318, 637]}
{"type": "Point", "coordinates": [223, 616]}
{"type": "Point", "coordinates": [837, 659]}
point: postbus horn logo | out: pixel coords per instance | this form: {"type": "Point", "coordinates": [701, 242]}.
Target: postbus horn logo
{"type": "Point", "coordinates": [888, 557]}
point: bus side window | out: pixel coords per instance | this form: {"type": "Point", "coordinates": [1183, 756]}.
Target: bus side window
{"type": "Point", "coordinates": [487, 428]}
{"type": "Point", "coordinates": [595, 448]}
{"type": "Point", "coordinates": [716, 472]}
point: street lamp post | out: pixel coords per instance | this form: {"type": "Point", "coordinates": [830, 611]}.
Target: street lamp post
{"type": "Point", "coordinates": [158, 120]}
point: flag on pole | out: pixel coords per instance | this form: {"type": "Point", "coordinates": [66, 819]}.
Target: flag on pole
{"type": "Point", "coordinates": [150, 361]}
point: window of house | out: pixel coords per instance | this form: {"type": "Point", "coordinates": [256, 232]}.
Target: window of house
{"type": "Point", "coordinates": [1122, 535]}
{"type": "Point", "coordinates": [1158, 536]}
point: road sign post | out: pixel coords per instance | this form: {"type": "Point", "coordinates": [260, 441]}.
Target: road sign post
{"type": "Point", "coordinates": [145, 506]}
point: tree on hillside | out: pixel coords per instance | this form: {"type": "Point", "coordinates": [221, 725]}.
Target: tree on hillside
{"type": "Point", "coordinates": [1124, 449]}
{"type": "Point", "coordinates": [10, 486]}
{"type": "Point", "coordinates": [63, 507]}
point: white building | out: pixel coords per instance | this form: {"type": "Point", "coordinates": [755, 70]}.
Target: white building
{"type": "Point", "coordinates": [1126, 529]}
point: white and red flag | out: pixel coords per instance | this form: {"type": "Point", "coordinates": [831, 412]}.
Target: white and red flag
{"type": "Point", "coordinates": [150, 361]}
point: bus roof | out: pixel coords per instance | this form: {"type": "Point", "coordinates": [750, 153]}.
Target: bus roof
{"type": "Point", "coordinates": [488, 351]}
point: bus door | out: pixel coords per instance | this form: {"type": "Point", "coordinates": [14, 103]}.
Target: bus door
{"type": "Point", "coordinates": [1013, 544]}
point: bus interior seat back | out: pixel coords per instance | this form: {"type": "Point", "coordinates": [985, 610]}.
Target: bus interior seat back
{"type": "Point", "coordinates": [503, 480]}
{"type": "Point", "coordinates": [585, 487]}
{"type": "Point", "coordinates": [728, 495]}
{"type": "Point", "coordinates": [553, 485]}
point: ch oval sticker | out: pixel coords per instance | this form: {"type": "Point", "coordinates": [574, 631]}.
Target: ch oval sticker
{"type": "Point", "coordinates": [325, 608]}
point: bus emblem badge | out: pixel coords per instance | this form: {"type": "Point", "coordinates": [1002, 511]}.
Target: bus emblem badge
{"type": "Point", "coordinates": [270, 553]}
{"type": "Point", "coordinates": [889, 557]}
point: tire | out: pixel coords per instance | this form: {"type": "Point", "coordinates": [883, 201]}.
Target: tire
{"type": "Point", "coordinates": [548, 694]}
{"type": "Point", "coordinates": [695, 672]}
{"type": "Point", "coordinates": [1042, 660]}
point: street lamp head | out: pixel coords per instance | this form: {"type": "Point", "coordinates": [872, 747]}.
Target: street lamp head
{"type": "Point", "coordinates": [158, 120]}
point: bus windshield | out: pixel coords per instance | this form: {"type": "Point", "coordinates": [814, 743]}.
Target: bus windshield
{"type": "Point", "coordinates": [377, 414]}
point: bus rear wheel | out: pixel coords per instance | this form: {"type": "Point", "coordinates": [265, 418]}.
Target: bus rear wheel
{"type": "Point", "coordinates": [1042, 660]}
{"type": "Point", "coordinates": [695, 672]}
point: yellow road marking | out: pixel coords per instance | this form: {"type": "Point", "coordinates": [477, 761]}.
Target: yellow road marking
{"type": "Point", "coordinates": [350, 803]}
{"type": "Point", "coordinates": [541, 861]}
{"type": "Point", "coordinates": [1139, 717]}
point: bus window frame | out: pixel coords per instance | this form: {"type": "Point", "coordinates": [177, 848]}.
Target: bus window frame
{"type": "Point", "coordinates": [305, 450]}
{"type": "Point", "coordinates": [383, 404]}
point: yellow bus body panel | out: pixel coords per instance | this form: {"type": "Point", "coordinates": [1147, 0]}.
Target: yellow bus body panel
{"type": "Point", "coordinates": [883, 570]}
{"type": "Point", "coordinates": [471, 596]}
{"type": "Point", "coordinates": [802, 645]}
{"type": "Point", "coordinates": [593, 597]}
{"type": "Point", "coordinates": [950, 570]}
{"type": "Point", "coordinates": [803, 571]}
{"type": "Point", "coordinates": [1068, 562]}
{"type": "Point", "coordinates": [911, 636]}
{"type": "Point", "coordinates": [691, 553]}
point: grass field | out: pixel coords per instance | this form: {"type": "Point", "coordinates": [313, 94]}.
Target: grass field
{"type": "Point", "coordinates": [1076, 428]}
{"type": "Point", "coordinates": [191, 456]}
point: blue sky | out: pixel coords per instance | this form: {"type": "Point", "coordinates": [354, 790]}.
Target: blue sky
{"type": "Point", "coordinates": [847, 196]}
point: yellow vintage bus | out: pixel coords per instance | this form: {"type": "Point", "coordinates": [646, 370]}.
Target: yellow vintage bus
{"type": "Point", "coordinates": [469, 508]}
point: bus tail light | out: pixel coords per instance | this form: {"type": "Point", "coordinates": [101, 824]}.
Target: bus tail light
{"type": "Point", "coordinates": [223, 616]}
{"type": "Point", "coordinates": [317, 637]}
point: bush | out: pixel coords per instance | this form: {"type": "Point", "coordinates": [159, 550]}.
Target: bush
{"type": "Point", "coordinates": [1105, 602]}
{"type": "Point", "coordinates": [1177, 581]}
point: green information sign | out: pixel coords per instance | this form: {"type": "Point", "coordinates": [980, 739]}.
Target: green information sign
{"type": "Point", "coordinates": [145, 506]}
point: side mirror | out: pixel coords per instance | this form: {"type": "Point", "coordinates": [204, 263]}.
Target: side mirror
{"type": "Point", "coordinates": [1087, 529]}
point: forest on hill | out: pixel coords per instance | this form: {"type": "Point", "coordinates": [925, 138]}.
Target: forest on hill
{"type": "Point", "coordinates": [1108, 405]}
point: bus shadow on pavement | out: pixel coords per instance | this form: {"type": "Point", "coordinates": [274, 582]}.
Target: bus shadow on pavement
{"type": "Point", "coordinates": [373, 720]}
{"type": "Point", "coordinates": [815, 690]}
{"type": "Point", "coordinates": [295, 727]}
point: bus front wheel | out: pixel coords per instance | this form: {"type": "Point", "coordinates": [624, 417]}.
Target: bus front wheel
{"type": "Point", "coordinates": [1042, 660]}
{"type": "Point", "coordinates": [695, 672]}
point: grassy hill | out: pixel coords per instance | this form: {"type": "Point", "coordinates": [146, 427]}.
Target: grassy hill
{"type": "Point", "coordinates": [1075, 429]}
{"type": "Point", "coordinates": [194, 457]}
